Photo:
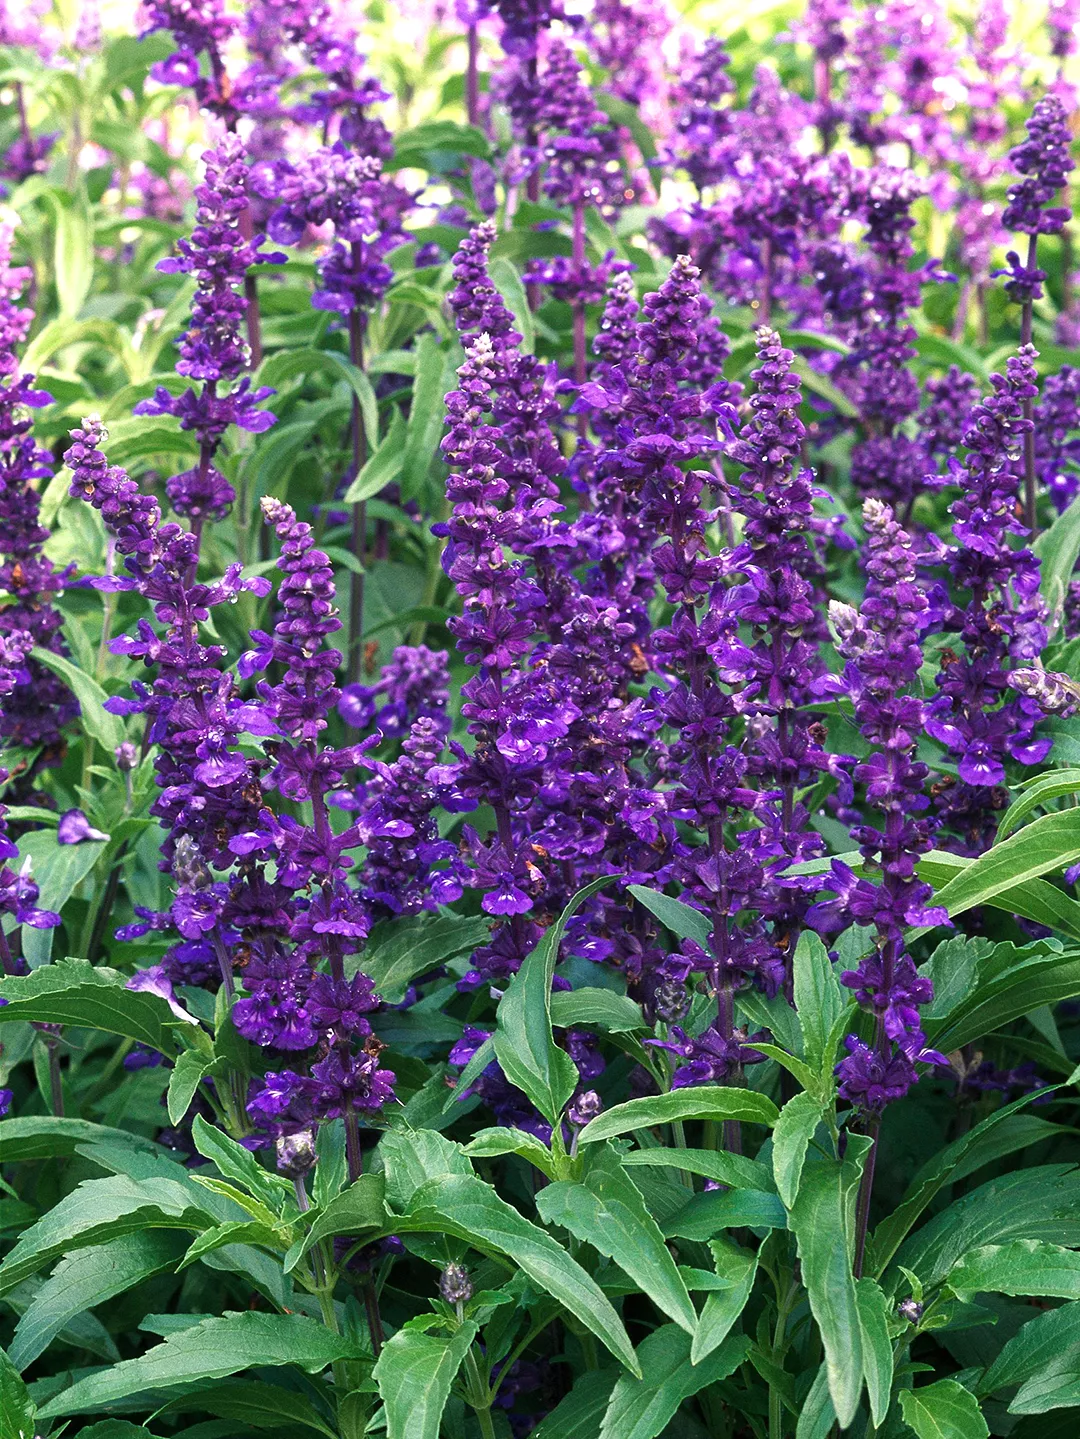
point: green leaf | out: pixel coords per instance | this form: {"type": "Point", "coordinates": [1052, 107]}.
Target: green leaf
{"type": "Point", "coordinates": [877, 1347]}
{"type": "Point", "coordinates": [355, 1210]}
{"type": "Point", "coordinates": [236, 1231]}
{"type": "Point", "coordinates": [490, 1143]}
{"type": "Point", "coordinates": [929, 1181]}
{"type": "Point", "coordinates": [400, 950]}
{"type": "Point", "coordinates": [17, 1411]}
{"type": "Point", "coordinates": [239, 1165]}
{"type": "Point", "coordinates": [607, 1211]}
{"type": "Point", "coordinates": [1046, 979]}
{"type": "Point", "coordinates": [383, 466]}
{"type": "Point", "coordinates": [1046, 787]}
{"type": "Point", "coordinates": [738, 1268]}
{"type": "Point", "coordinates": [580, 1413]}
{"type": "Point", "coordinates": [252, 1402]}
{"type": "Point", "coordinates": [188, 1073]}
{"type": "Point", "coordinates": [1048, 844]}
{"type": "Point", "coordinates": [410, 1158]}
{"type": "Point", "coordinates": [704, 1215]}
{"type": "Point", "coordinates": [1033, 1350]}
{"type": "Point", "coordinates": [1038, 1203]}
{"type": "Point", "coordinates": [58, 334]}
{"type": "Point", "coordinates": [45, 1136]}
{"type": "Point", "coordinates": [706, 1101]}
{"type": "Point", "coordinates": [792, 1134]}
{"type": "Point", "coordinates": [819, 1000]}
{"type": "Point", "coordinates": [287, 364]}
{"type": "Point", "coordinates": [97, 1211]}
{"type": "Point", "coordinates": [823, 1220]}
{"type": "Point", "coordinates": [73, 257]}
{"type": "Point", "coordinates": [642, 1408]}
{"type": "Point", "coordinates": [524, 1046]}
{"type": "Point", "coordinates": [106, 728]}
{"type": "Point", "coordinates": [817, 1417]}
{"type": "Point", "coordinates": [211, 1349]}
{"type": "Point", "coordinates": [76, 993]}
{"type": "Point", "coordinates": [505, 278]}
{"type": "Point", "coordinates": [467, 1207]}
{"type": "Point", "coordinates": [87, 1278]}
{"type": "Point", "coordinates": [1025, 1266]}
{"type": "Point", "coordinates": [682, 919]}
{"type": "Point", "coordinates": [432, 379]}
{"type": "Point", "coordinates": [820, 385]}
{"type": "Point", "coordinates": [734, 1170]}
{"type": "Point", "coordinates": [1058, 549]}
{"type": "Point", "coordinates": [617, 1013]}
{"type": "Point", "coordinates": [414, 1373]}
{"type": "Point", "coordinates": [945, 1410]}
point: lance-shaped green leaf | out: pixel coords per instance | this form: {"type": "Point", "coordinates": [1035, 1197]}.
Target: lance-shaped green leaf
{"type": "Point", "coordinates": [792, 1134]}
{"type": "Point", "coordinates": [48, 1136]}
{"type": "Point", "coordinates": [1055, 1386]}
{"type": "Point", "coordinates": [99, 1210]}
{"type": "Point", "coordinates": [877, 1347]}
{"type": "Point", "coordinates": [106, 728]}
{"type": "Point", "coordinates": [86, 1278]}
{"type": "Point", "coordinates": [433, 377]}
{"type": "Point", "coordinates": [239, 1165]}
{"type": "Point", "coordinates": [706, 1101]}
{"type": "Point", "coordinates": [1046, 846]}
{"type": "Point", "coordinates": [733, 1170]}
{"type": "Point", "coordinates": [817, 1417]}
{"type": "Point", "coordinates": [682, 919]}
{"type": "Point", "coordinates": [607, 1211]}
{"type": "Point", "coordinates": [945, 1410]}
{"type": "Point", "coordinates": [601, 1008]}
{"type": "Point", "coordinates": [383, 466]}
{"type": "Point", "coordinates": [1037, 792]}
{"type": "Point", "coordinates": [929, 1181]}
{"type": "Point", "coordinates": [398, 952]}
{"type": "Point", "coordinates": [819, 1000]}
{"type": "Point", "coordinates": [254, 1403]}
{"type": "Point", "coordinates": [823, 1220]}
{"type": "Point", "coordinates": [642, 1408]}
{"type": "Point", "coordinates": [738, 1268]}
{"type": "Point", "coordinates": [524, 1045]}
{"type": "Point", "coordinates": [211, 1349]}
{"type": "Point", "coordinates": [465, 1206]}
{"type": "Point", "coordinates": [1058, 549]}
{"type": "Point", "coordinates": [189, 1071]}
{"type": "Point", "coordinates": [414, 1374]}
{"type": "Point", "coordinates": [1025, 1266]}
{"type": "Point", "coordinates": [76, 993]}
{"type": "Point", "coordinates": [17, 1411]}
{"type": "Point", "coordinates": [580, 1413]}
{"type": "Point", "coordinates": [413, 1157]}
{"type": "Point", "coordinates": [1035, 1348]}
{"type": "Point", "coordinates": [355, 1210]}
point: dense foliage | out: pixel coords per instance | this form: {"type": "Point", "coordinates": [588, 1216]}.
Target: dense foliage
{"type": "Point", "coordinates": [540, 721]}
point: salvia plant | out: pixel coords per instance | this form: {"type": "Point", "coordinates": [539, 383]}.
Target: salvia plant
{"type": "Point", "coordinates": [539, 720]}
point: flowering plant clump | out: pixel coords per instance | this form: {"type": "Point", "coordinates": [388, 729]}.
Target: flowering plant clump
{"type": "Point", "coordinates": [539, 721]}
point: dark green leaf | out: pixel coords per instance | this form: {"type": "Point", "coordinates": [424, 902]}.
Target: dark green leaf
{"type": "Point", "coordinates": [400, 950]}
{"type": "Point", "coordinates": [707, 1214]}
{"type": "Point", "coordinates": [819, 1000]}
{"type": "Point", "coordinates": [823, 1220]}
{"type": "Point", "coordinates": [1055, 1386]}
{"type": "Point", "coordinates": [412, 1157]}
{"type": "Point", "coordinates": [73, 992]}
{"type": "Point", "coordinates": [706, 1101]}
{"type": "Point", "coordinates": [877, 1347]}
{"type": "Point", "coordinates": [1039, 1203]}
{"type": "Point", "coordinates": [617, 1013]}
{"type": "Point", "coordinates": [738, 1268]}
{"type": "Point", "coordinates": [524, 1046]}
{"type": "Point", "coordinates": [1025, 1266]}
{"type": "Point", "coordinates": [17, 1411]}
{"type": "Point", "coordinates": [642, 1408]}
{"type": "Point", "coordinates": [86, 1278]}
{"type": "Point", "coordinates": [465, 1206]}
{"type": "Point", "coordinates": [682, 919]}
{"type": "Point", "coordinates": [383, 466]}
{"type": "Point", "coordinates": [607, 1211]}
{"type": "Point", "coordinates": [734, 1170]}
{"type": "Point", "coordinates": [211, 1349]}
{"type": "Point", "coordinates": [1047, 845]}
{"type": "Point", "coordinates": [792, 1133]}
{"type": "Point", "coordinates": [1035, 1348]}
{"type": "Point", "coordinates": [817, 1417]}
{"type": "Point", "coordinates": [414, 1373]}
{"type": "Point", "coordinates": [252, 1402]}
{"type": "Point", "coordinates": [97, 1211]}
{"type": "Point", "coordinates": [239, 1165]}
{"type": "Point", "coordinates": [1058, 549]}
{"type": "Point", "coordinates": [45, 1136]}
{"type": "Point", "coordinates": [505, 278]}
{"type": "Point", "coordinates": [580, 1414]}
{"type": "Point", "coordinates": [354, 1211]}
{"type": "Point", "coordinates": [433, 378]}
{"type": "Point", "coordinates": [934, 1175]}
{"type": "Point", "coordinates": [945, 1410]}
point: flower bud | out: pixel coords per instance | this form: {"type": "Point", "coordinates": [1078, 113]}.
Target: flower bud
{"type": "Point", "coordinates": [126, 756]}
{"type": "Point", "coordinates": [585, 1107]}
{"type": "Point", "coordinates": [296, 1153]}
{"type": "Point", "coordinates": [455, 1286]}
